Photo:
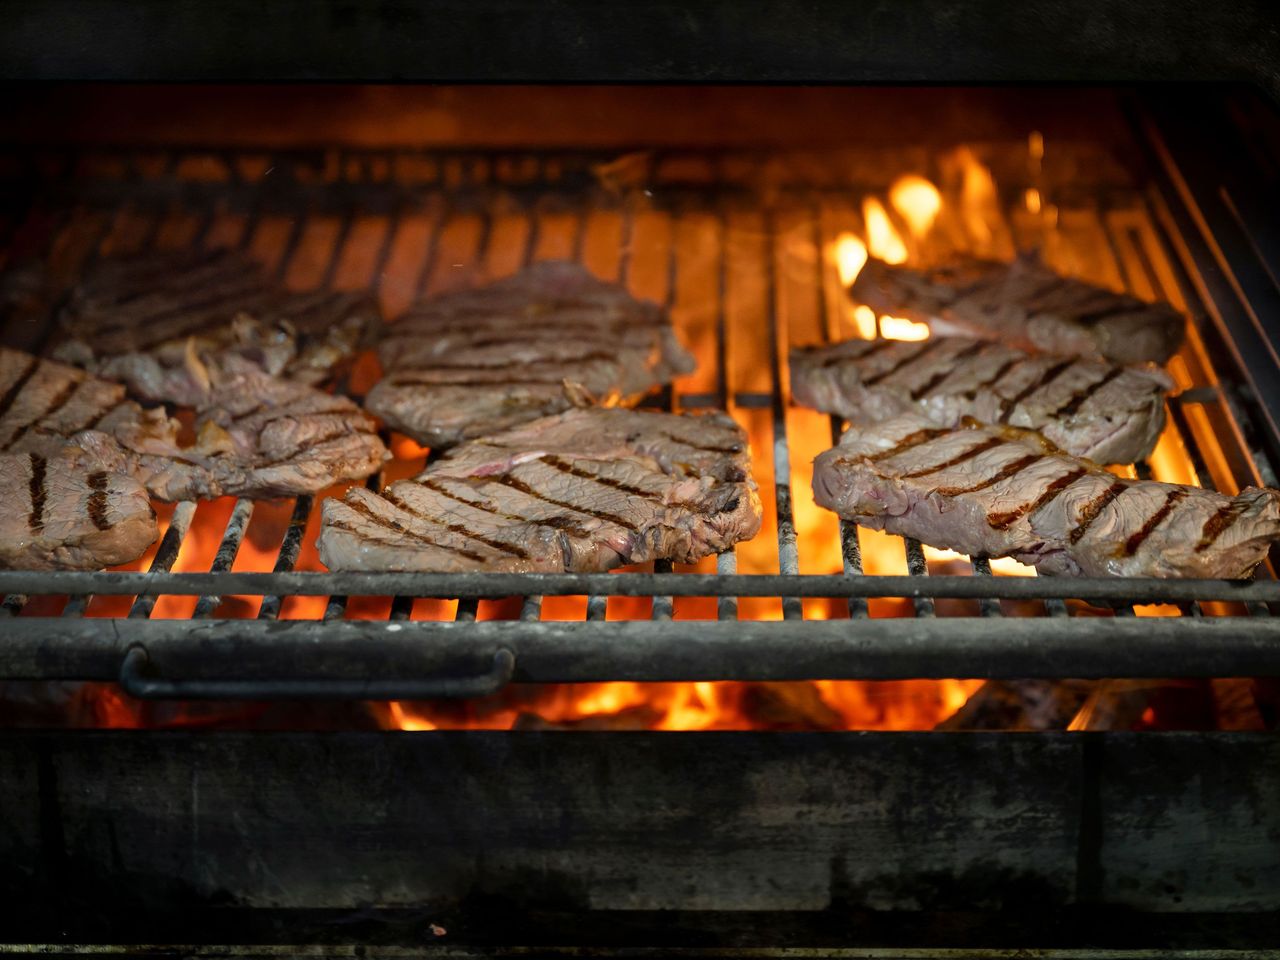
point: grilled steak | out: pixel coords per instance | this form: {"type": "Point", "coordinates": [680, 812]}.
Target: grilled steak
{"type": "Point", "coordinates": [990, 491]}
{"type": "Point", "coordinates": [155, 304]}
{"type": "Point", "coordinates": [1024, 304]}
{"type": "Point", "coordinates": [256, 435]}
{"type": "Point", "coordinates": [585, 490]}
{"type": "Point", "coordinates": [470, 363]}
{"type": "Point", "coordinates": [1087, 408]}
{"type": "Point", "coordinates": [67, 516]}
{"type": "Point", "coordinates": [42, 403]}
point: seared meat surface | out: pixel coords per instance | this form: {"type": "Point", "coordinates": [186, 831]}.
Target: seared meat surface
{"type": "Point", "coordinates": [154, 305]}
{"type": "Point", "coordinates": [66, 515]}
{"type": "Point", "coordinates": [995, 492]}
{"type": "Point", "coordinates": [1024, 304]}
{"type": "Point", "coordinates": [1084, 407]}
{"type": "Point", "coordinates": [255, 435]}
{"type": "Point", "coordinates": [585, 490]}
{"type": "Point", "coordinates": [467, 364]}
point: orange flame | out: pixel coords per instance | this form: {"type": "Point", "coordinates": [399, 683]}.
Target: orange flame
{"type": "Point", "coordinates": [917, 201]}
{"type": "Point", "coordinates": [900, 328]}
{"type": "Point", "coordinates": [882, 239]}
{"type": "Point", "coordinates": [851, 257]}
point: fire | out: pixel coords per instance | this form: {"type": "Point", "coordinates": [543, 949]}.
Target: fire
{"type": "Point", "coordinates": [864, 321]}
{"type": "Point", "coordinates": [882, 239]}
{"type": "Point", "coordinates": [917, 201]}
{"type": "Point", "coordinates": [900, 328]}
{"type": "Point", "coordinates": [851, 257]}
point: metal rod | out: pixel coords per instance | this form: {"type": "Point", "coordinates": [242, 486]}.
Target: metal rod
{"type": "Point", "coordinates": [788, 555]}
{"type": "Point", "coordinates": [648, 651]}
{"type": "Point", "coordinates": [987, 606]}
{"type": "Point", "coordinates": [166, 555]}
{"type": "Point", "coordinates": [917, 566]}
{"type": "Point", "coordinates": [288, 553]}
{"type": "Point", "coordinates": [495, 585]}
{"type": "Point", "coordinates": [237, 523]}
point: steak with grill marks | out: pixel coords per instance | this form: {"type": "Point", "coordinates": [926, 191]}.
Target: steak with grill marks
{"type": "Point", "coordinates": [586, 490]}
{"type": "Point", "coordinates": [64, 515]}
{"type": "Point", "coordinates": [467, 364]}
{"type": "Point", "coordinates": [997, 492]}
{"type": "Point", "coordinates": [154, 305]}
{"type": "Point", "coordinates": [1085, 407]}
{"type": "Point", "coordinates": [256, 435]}
{"type": "Point", "coordinates": [1024, 304]}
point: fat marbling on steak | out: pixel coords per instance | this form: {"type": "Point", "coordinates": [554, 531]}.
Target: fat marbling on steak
{"type": "Point", "coordinates": [1024, 304]}
{"type": "Point", "coordinates": [255, 435]}
{"type": "Point", "coordinates": [996, 492]}
{"type": "Point", "coordinates": [63, 515]}
{"type": "Point", "coordinates": [586, 490]}
{"type": "Point", "coordinates": [1085, 407]}
{"type": "Point", "coordinates": [466, 364]}
{"type": "Point", "coordinates": [157, 304]}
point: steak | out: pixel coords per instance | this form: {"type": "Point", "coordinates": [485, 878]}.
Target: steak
{"type": "Point", "coordinates": [997, 492]}
{"type": "Point", "coordinates": [1087, 408]}
{"type": "Point", "coordinates": [155, 304]}
{"type": "Point", "coordinates": [586, 490]}
{"type": "Point", "coordinates": [255, 435]}
{"type": "Point", "coordinates": [67, 516]}
{"type": "Point", "coordinates": [470, 363]}
{"type": "Point", "coordinates": [1024, 304]}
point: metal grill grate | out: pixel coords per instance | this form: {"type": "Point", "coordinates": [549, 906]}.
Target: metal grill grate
{"type": "Point", "coordinates": [739, 247]}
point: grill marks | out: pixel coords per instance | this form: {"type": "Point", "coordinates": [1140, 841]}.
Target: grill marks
{"type": "Point", "coordinates": [390, 523]}
{"type": "Point", "coordinates": [587, 489]}
{"type": "Point", "coordinates": [1062, 514]}
{"type": "Point", "coordinates": [1218, 524]}
{"type": "Point", "coordinates": [57, 403]}
{"type": "Point", "coordinates": [1123, 407]}
{"type": "Point", "coordinates": [35, 518]}
{"type": "Point", "coordinates": [1002, 521]}
{"type": "Point", "coordinates": [515, 483]}
{"type": "Point", "coordinates": [1004, 473]}
{"type": "Point", "coordinates": [936, 380]}
{"type": "Point", "coordinates": [929, 347]}
{"type": "Point", "coordinates": [983, 447]}
{"type": "Point", "coordinates": [1047, 377]}
{"type": "Point", "coordinates": [1080, 397]}
{"type": "Point", "coordinates": [469, 364]}
{"type": "Point", "coordinates": [457, 528]}
{"type": "Point", "coordinates": [52, 398]}
{"type": "Point", "coordinates": [703, 446]}
{"type": "Point", "coordinates": [1094, 507]}
{"type": "Point", "coordinates": [1136, 540]}
{"type": "Point", "coordinates": [98, 500]}
{"type": "Point", "coordinates": [559, 523]}
{"type": "Point", "coordinates": [995, 378]}
{"type": "Point", "coordinates": [11, 394]}
{"type": "Point", "coordinates": [1024, 304]}
{"type": "Point", "coordinates": [574, 471]}
{"type": "Point", "coordinates": [909, 442]}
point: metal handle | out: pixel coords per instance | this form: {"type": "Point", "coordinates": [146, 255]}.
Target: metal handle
{"type": "Point", "coordinates": [135, 683]}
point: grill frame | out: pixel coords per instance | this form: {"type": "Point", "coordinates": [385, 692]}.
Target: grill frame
{"type": "Point", "coordinates": [563, 181]}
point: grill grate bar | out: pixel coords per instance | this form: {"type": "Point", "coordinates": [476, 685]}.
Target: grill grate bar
{"type": "Point", "coordinates": [163, 561]}
{"type": "Point", "coordinates": [237, 524]}
{"type": "Point", "coordinates": [987, 607]}
{"type": "Point", "coordinates": [788, 555]}
{"type": "Point", "coordinates": [288, 555]}
{"type": "Point", "coordinates": [918, 566]}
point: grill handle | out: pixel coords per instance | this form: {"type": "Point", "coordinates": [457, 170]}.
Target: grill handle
{"type": "Point", "coordinates": [134, 681]}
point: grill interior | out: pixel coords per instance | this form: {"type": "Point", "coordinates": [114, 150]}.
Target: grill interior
{"type": "Point", "coordinates": [747, 249]}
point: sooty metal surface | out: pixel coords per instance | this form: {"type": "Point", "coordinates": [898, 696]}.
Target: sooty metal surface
{"type": "Point", "coordinates": [740, 247]}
